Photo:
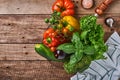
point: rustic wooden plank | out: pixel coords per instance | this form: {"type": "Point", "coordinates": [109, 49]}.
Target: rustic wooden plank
{"type": "Point", "coordinates": [32, 70]}
{"type": "Point", "coordinates": [44, 7]}
{"type": "Point", "coordinates": [19, 52]}
{"type": "Point", "coordinates": [21, 28]}
{"type": "Point", "coordinates": [30, 28]}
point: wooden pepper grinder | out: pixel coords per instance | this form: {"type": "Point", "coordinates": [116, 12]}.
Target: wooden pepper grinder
{"type": "Point", "coordinates": [103, 6]}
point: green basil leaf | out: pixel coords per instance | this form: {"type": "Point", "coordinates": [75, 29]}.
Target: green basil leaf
{"type": "Point", "coordinates": [76, 40]}
{"type": "Point", "coordinates": [68, 48]}
{"type": "Point", "coordinates": [70, 66]}
{"type": "Point", "coordinates": [83, 35]}
{"type": "Point", "coordinates": [75, 58]}
{"type": "Point", "coordinates": [89, 50]}
{"type": "Point", "coordinates": [84, 63]}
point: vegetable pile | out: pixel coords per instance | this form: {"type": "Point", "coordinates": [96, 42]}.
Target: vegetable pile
{"type": "Point", "coordinates": [74, 42]}
{"type": "Point", "coordinates": [85, 46]}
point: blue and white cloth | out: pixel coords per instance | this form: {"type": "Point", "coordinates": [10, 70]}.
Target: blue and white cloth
{"type": "Point", "coordinates": [108, 69]}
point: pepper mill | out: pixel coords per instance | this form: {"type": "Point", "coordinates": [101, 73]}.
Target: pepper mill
{"type": "Point", "coordinates": [103, 6]}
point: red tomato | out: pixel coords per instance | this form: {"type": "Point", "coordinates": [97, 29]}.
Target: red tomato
{"type": "Point", "coordinates": [66, 7]}
{"type": "Point", "coordinates": [53, 49]}
{"type": "Point", "coordinates": [48, 32]}
{"type": "Point", "coordinates": [52, 39]}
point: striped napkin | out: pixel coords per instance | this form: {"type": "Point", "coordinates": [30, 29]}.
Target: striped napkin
{"type": "Point", "coordinates": [108, 69]}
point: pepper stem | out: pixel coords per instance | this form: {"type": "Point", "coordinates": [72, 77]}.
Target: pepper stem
{"type": "Point", "coordinates": [48, 40]}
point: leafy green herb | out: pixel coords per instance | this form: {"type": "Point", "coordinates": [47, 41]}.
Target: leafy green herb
{"type": "Point", "coordinates": [67, 48]}
{"type": "Point", "coordinates": [89, 50]}
{"type": "Point", "coordinates": [85, 46]}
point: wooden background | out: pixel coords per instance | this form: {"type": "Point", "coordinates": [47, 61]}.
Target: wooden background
{"type": "Point", "coordinates": [22, 25]}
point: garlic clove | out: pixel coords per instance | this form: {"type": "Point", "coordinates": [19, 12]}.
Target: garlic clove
{"type": "Point", "coordinates": [109, 21]}
{"type": "Point", "coordinates": [87, 4]}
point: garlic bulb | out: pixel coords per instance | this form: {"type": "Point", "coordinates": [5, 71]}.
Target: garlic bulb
{"type": "Point", "coordinates": [109, 22]}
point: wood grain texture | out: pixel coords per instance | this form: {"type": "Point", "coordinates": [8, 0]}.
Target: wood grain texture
{"type": "Point", "coordinates": [32, 70]}
{"type": "Point", "coordinates": [19, 52]}
{"type": "Point", "coordinates": [44, 7]}
{"type": "Point", "coordinates": [30, 28]}
{"type": "Point", "coordinates": [21, 28]}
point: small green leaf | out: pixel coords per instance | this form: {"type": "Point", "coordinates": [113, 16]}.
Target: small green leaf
{"type": "Point", "coordinates": [68, 48]}
{"type": "Point", "coordinates": [83, 35]}
{"type": "Point", "coordinates": [89, 50]}
{"type": "Point", "coordinates": [70, 66]}
{"type": "Point", "coordinates": [79, 55]}
{"type": "Point", "coordinates": [75, 58]}
{"type": "Point", "coordinates": [76, 40]}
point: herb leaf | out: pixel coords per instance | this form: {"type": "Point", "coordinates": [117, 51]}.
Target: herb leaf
{"type": "Point", "coordinates": [67, 48]}
{"type": "Point", "coordinates": [76, 40]}
{"type": "Point", "coordinates": [89, 50]}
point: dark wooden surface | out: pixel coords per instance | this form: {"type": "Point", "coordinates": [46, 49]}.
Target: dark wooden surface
{"type": "Point", "coordinates": [22, 25]}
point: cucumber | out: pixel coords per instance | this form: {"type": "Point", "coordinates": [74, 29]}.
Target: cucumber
{"type": "Point", "coordinates": [44, 51]}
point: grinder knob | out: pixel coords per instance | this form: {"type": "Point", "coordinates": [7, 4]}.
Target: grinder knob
{"type": "Point", "coordinates": [103, 6]}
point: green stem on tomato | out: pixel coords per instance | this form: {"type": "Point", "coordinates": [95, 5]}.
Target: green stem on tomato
{"type": "Point", "coordinates": [49, 40]}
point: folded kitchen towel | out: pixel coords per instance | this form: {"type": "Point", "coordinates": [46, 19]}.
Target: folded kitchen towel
{"type": "Point", "coordinates": [108, 69]}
